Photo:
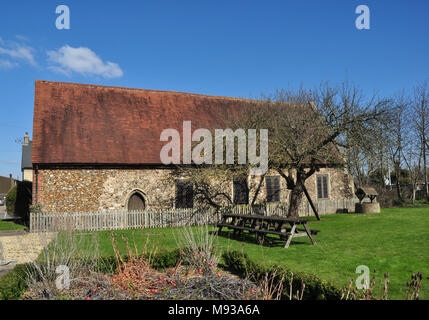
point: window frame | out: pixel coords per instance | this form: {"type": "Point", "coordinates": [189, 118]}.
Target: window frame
{"type": "Point", "coordinates": [274, 196]}
{"type": "Point", "coordinates": [237, 200]}
{"type": "Point", "coordinates": [186, 198]}
{"type": "Point", "coordinates": [324, 191]}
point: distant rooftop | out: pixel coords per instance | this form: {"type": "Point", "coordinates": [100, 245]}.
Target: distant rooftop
{"type": "Point", "coordinates": [6, 185]}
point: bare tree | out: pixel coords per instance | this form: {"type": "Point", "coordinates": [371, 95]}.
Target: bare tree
{"type": "Point", "coordinates": [210, 184]}
{"type": "Point", "coordinates": [308, 128]}
{"type": "Point", "coordinates": [421, 125]}
{"type": "Point", "coordinates": [398, 128]}
{"type": "Point", "coordinates": [367, 153]}
{"type": "Point", "coordinates": [412, 159]}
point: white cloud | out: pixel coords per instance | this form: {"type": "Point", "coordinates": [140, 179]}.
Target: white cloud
{"type": "Point", "coordinates": [6, 64]}
{"type": "Point", "coordinates": [17, 51]}
{"type": "Point", "coordinates": [82, 60]}
{"type": "Point", "coordinates": [21, 38]}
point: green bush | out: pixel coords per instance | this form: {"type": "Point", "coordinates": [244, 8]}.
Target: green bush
{"type": "Point", "coordinates": [11, 201]}
{"type": "Point", "coordinates": [315, 288]}
{"type": "Point", "coordinates": [107, 264]}
{"type": "Point", "coordinates": [399, 202]}
{"type": "Point", "coordinates": [18, 200]}
{"type": "Point", "coordinates": [13, 284]}
{"type": "Point", "coordinates": [166, 259]}
{"type": "Point", "coordinates": [160, 261]}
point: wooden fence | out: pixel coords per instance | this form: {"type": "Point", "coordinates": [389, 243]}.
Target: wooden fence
{"type": "Point", "coordinates": [304, 210]}
{"type": "Point", "coordinates": [121, 219]}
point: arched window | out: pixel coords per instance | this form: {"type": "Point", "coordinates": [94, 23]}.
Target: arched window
{"type": "Point", "coordinates": [136, 202]}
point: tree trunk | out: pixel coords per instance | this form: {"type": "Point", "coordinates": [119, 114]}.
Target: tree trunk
{"type": "Point", "coordinates": [383, 184]}
{"type": "Point", "coordinates": [296, 197]}
{"type": "Point", "coordinates": [398, 188]}
{"type": "Point", "coordinates": [398, 185]}
{"type": "Point", "coordinates": [423, 137]}
{"type": "Point", "coordinates": [425, 175]}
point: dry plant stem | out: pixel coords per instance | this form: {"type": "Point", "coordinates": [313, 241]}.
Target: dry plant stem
{"type": "Point", "coordinates": [70, 249]}
{"type": "Point", "coordinates": [272, 285]}
{"type": "Point", "coordinates": [197, 245]}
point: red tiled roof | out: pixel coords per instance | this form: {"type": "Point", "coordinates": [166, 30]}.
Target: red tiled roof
{"type": "Point", "coordinates": [91, 124]}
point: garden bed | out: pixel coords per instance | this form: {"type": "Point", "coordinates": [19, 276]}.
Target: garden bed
{"type": "Point", "coordinates": [346, 241]}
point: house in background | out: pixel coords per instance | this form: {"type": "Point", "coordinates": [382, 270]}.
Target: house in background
{"type": "Point", "coordinates": [26, 165]}
{"type": "Point", "coordinates": [97, 148]}
{"type": "Point", "coordinates": [6, 184]}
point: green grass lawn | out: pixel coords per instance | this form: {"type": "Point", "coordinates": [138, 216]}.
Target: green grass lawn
{"type": "Point", "coordinates": [395, 241]}
{"type": "Point", "coordinates": [8, 225]}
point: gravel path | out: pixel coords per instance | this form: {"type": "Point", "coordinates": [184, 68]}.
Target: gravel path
{"type": "Point", "coordinates": [25, 247]}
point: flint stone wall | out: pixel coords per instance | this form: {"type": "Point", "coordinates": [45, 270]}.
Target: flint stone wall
{"type": "Point", "coordinates": [88, 190]}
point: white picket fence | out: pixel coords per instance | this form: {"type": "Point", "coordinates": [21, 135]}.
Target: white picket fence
{"type": "Point", "coordinates": [121, 219]}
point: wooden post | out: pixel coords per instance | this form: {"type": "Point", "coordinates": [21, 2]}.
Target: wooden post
{"type": "Point", "coordinates": [309, 233]}
{"type": "Point", "coordinates": [289, 239]}
{"type": "Point", "coordinates": [311, 202]}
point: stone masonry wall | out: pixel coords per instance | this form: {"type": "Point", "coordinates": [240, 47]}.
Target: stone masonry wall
{"type": "Point", "coordinates": [87, 190]}
{"type": "Point", "coordinates": [340, 186]}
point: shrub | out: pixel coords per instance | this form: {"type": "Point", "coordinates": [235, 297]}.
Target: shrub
{"type": "Point", "coordinates": [13, 284]}
{"type": "Point", "coordinates": [197, 247]}
{"type": "Point", "coordinates": [162, 260]}
{"type": "Point", "coordinates": [399, 202]}
{"type": "Point", "coordinates": [166, 259]}
{"type": "Point", "coordinates": [18, 200]}
{"type": "Point", "coordinates": [11, 201]}
{"type": "Point", "coordinates": [315, 288]}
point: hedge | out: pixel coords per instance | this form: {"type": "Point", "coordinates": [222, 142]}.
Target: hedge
{"type": "Point", "coordinates": [18, 200]}
{"type": "Point", "coordinates": [315, 288]}
{"type": "Point", "coordinates": [10, 201]}
{"type": "Point", "coordinates": [13, 283]}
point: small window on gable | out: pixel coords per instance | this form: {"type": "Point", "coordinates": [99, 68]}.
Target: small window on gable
{"type": "Point", "coordinates": [240, 190]}
{"type": "Point", "coordinates": [273, 188]}
{"type": "Point", "coordinates": [184, 194]}
{"type": "Point", "coordinates": [322, 186]}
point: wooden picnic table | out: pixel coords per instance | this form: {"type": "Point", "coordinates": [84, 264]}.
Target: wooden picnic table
{"type": "Point", "coordinates": [286, 228]}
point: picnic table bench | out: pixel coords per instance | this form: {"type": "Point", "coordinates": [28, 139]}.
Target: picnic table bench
{"type": "Point", "coordinates": [286, 228]}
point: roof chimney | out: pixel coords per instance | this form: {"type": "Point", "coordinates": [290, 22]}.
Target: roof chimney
{"type": "Point", "coordinates": [26, 138]}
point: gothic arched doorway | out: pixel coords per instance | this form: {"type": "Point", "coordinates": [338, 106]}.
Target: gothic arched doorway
{"type": "Point", "coordinates": [136, 202]}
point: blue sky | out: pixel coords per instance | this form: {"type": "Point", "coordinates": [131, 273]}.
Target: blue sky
{"type": "Point", "coordinates": [221, 47]}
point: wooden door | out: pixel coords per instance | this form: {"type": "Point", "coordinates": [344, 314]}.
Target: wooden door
{"type": "Point", "coordinates": [136, 203]}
